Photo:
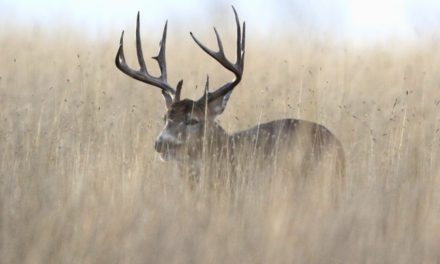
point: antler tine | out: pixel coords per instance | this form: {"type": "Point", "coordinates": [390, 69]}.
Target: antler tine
{"type": "Point", "coordinates": [120, 58]}
{"type": "Point", "coordinates": [140, 55]}
{"type": "Point", "coordinates": [236, 68]}
{"type": "Point", "coordinates": [178, 90]}
{"type": "Point", "coordinates": [206, 91]}
{"type": "Point", "coordinates": [160, 58]}
{"type": "Point", "coordinates": [240, 46]}
{"type": "Point", "coordinates": [142, 74]}
{"type": "Point", "coordinates": [238, 59]}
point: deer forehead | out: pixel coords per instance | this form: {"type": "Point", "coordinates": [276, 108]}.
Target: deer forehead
{"type": "Point", "coordinates": [181, 110]}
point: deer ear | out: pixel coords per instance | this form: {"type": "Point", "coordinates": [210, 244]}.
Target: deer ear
{"type": "Point", "coordinates": [168, 99]}
{"type": "Point", "coordinates": [217, 106]}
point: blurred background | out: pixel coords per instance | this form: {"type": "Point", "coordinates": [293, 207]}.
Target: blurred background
{"type": "Point", "coordinates": [80, 181]}
{"type": "Point", "coordinates": [353, 19]}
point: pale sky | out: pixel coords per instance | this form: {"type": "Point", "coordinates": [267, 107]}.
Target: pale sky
{"type": "Point", "coordinates": [350, 18]}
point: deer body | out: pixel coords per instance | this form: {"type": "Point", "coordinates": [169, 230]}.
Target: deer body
{"type": "Point", "coordinates": [194, 139]}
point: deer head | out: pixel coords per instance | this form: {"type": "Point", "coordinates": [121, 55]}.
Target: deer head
{"type": "Point", "coordinates": [187, 123]}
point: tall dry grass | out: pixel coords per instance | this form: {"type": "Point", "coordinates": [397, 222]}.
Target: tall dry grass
{"type": "Point", "coordinates": [81, 183]}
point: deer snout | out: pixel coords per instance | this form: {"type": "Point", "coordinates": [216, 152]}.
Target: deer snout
{"type": "Point", "coordinates": [159, 145]}
{"type": "Point", "coordinates": [164, 143]}
{"type": "Point", "coordinates": [167, 147]}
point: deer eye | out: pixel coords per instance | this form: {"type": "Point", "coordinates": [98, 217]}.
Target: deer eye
{"type": "Point", "coordinates": [191, 122]}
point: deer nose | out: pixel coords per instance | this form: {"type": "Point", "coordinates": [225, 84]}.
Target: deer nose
{"type": "Point", "coordinates": [158, 145]}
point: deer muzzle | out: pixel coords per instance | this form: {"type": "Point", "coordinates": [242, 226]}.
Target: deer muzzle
{"type": "Point", "coordinates": [167, 147]}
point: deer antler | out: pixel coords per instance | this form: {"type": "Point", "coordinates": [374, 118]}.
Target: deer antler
{"type": "Point", "coordinates": [142, 74]}
{"type": "Point", "coordinates": [236, 68]}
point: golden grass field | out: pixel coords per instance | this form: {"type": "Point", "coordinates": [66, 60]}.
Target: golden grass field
{"type": "Point", "coordinates": [80, 181]}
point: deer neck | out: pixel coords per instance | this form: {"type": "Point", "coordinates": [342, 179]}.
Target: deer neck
{"type": "Point", "coordinates": [212, 149]}
{"type": "Point", "coordinates": [212, 158]}
{"type": "Point", "coordinates": [216, 138]}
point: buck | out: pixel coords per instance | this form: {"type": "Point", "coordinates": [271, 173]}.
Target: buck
{"type": "Point", "coordinates": [194, 139]}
